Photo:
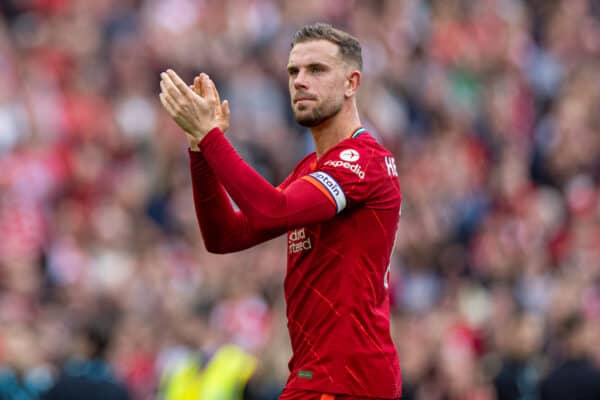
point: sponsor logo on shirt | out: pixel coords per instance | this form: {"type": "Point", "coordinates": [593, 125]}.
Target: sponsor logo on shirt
{"type": "Point", "coordinates": [343, 164]}
{"type": "Point", "coordinates": [297, 241]}
{"type": "Point", "coordinates": [349, 155]}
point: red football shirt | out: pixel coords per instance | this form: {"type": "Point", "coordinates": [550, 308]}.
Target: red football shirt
{"type": "Point", "coordinates": [336, 282]}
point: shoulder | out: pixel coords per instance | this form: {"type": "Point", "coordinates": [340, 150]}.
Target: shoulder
{"type": "Point", "coordinates": [300, 169]}
{"type": "Point", "coordinates": [305, 159]}
{"type": "Point", "coordinates": [362, 169]}
{"type": "Point", "coordinates": [304, 162]}
{"type": "Point", "coordinates": [362, 155]}
{"type": "Point", "coordinates": [367, 142]}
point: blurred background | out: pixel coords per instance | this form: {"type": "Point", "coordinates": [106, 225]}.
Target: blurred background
{"type": "Point", "coordinates": [491, 107]}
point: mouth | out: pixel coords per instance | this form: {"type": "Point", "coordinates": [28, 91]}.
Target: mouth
{"type": "Point", "coordinates": [299, 99]}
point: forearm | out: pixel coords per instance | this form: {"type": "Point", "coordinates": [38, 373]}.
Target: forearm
{"type": "Point", "coordinates": [263, 205]}
{"type": "Point", "coordinates": [224, 230]}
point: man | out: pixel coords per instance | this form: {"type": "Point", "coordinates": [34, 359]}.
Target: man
{"type": "Point", "coordinates": [519, 373]}
{"type": "Point", "coordinates": [577, 377]}
{"type": "Point", "coordinates": [340, 208]}
{"type": "Point", "coordinates": [88, 374]}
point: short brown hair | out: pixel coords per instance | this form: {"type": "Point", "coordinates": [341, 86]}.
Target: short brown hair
{"type": "Point", "coordinates": [349, 46]}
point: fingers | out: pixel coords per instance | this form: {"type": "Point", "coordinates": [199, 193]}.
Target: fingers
{"type": "Point", "coordinates": [168, 104]}
{"type": "Point", "coordinates": [198, 85]}
{"type": "Point", "coordinates": [167, 85]}
{"type": "Point", "coordinates": [164, 88]}
{"type": "Point", "coordinates": [166, 99]}
{"type": "Point", "coordinates": [203, 85]}
{"type": "Point", "coordinates": [209, 90]}
{"type": "Point", "coordinates": [225, 109]}
{"type": "Point", "coordinates": [170, 91]}
{"type": "Point", "coordinates": [181, 86]}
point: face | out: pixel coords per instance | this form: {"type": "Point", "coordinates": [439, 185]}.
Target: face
{"type": "Point", "coordinates": [317, 81]}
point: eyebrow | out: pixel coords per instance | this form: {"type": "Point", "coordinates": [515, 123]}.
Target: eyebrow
{"type": "Point", "coordinates": [317, 64]}
{"type": "Point", "coordinates": [293, 68]}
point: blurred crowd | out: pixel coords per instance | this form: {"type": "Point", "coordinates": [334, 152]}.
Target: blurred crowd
{"type": "Point", "coordinates": [492, 108]}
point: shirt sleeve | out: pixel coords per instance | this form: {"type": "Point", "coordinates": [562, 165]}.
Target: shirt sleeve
{"type": "Point", "coordinates": [293, 204]}
{"type": "Point", "coordinates": [224, 230]}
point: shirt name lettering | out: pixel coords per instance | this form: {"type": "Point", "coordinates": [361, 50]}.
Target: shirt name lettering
{"type": "Point", "coordinates": [390, 163]}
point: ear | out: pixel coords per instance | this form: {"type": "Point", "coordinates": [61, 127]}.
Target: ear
{"type": "Point", "coordinates": [352, 83]}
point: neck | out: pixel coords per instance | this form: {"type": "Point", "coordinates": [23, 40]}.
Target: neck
{"type": "Point", "coordinates": [337, 128]}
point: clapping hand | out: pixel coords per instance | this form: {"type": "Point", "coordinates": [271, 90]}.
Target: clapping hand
{"type": "Point", "coordinates": [195, 109]}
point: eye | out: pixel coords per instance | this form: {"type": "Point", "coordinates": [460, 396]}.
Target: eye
{"type": "Point", "coordinates": [292, 71]}
{"type": "Point", "coordinates": [316, 69]}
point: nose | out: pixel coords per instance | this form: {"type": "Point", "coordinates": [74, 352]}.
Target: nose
{"type": "Point", "coordinates": [300, 81]}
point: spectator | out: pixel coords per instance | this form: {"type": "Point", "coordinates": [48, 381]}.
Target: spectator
{"type": "Point", "coordinates": [576, 377]}
{"type": "Point", "coordinates": [88, 375]}
{"type": "Point", "coordinates": [23, 375]}
{"type": "Point", "coordinates": [519, 375]}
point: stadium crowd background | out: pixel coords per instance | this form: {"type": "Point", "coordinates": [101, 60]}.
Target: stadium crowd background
{"type": "Point", "coordinates": [491, 108]}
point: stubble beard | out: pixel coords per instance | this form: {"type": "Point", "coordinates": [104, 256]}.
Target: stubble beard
{"type": "Point", "coordinates": [318, 114]}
